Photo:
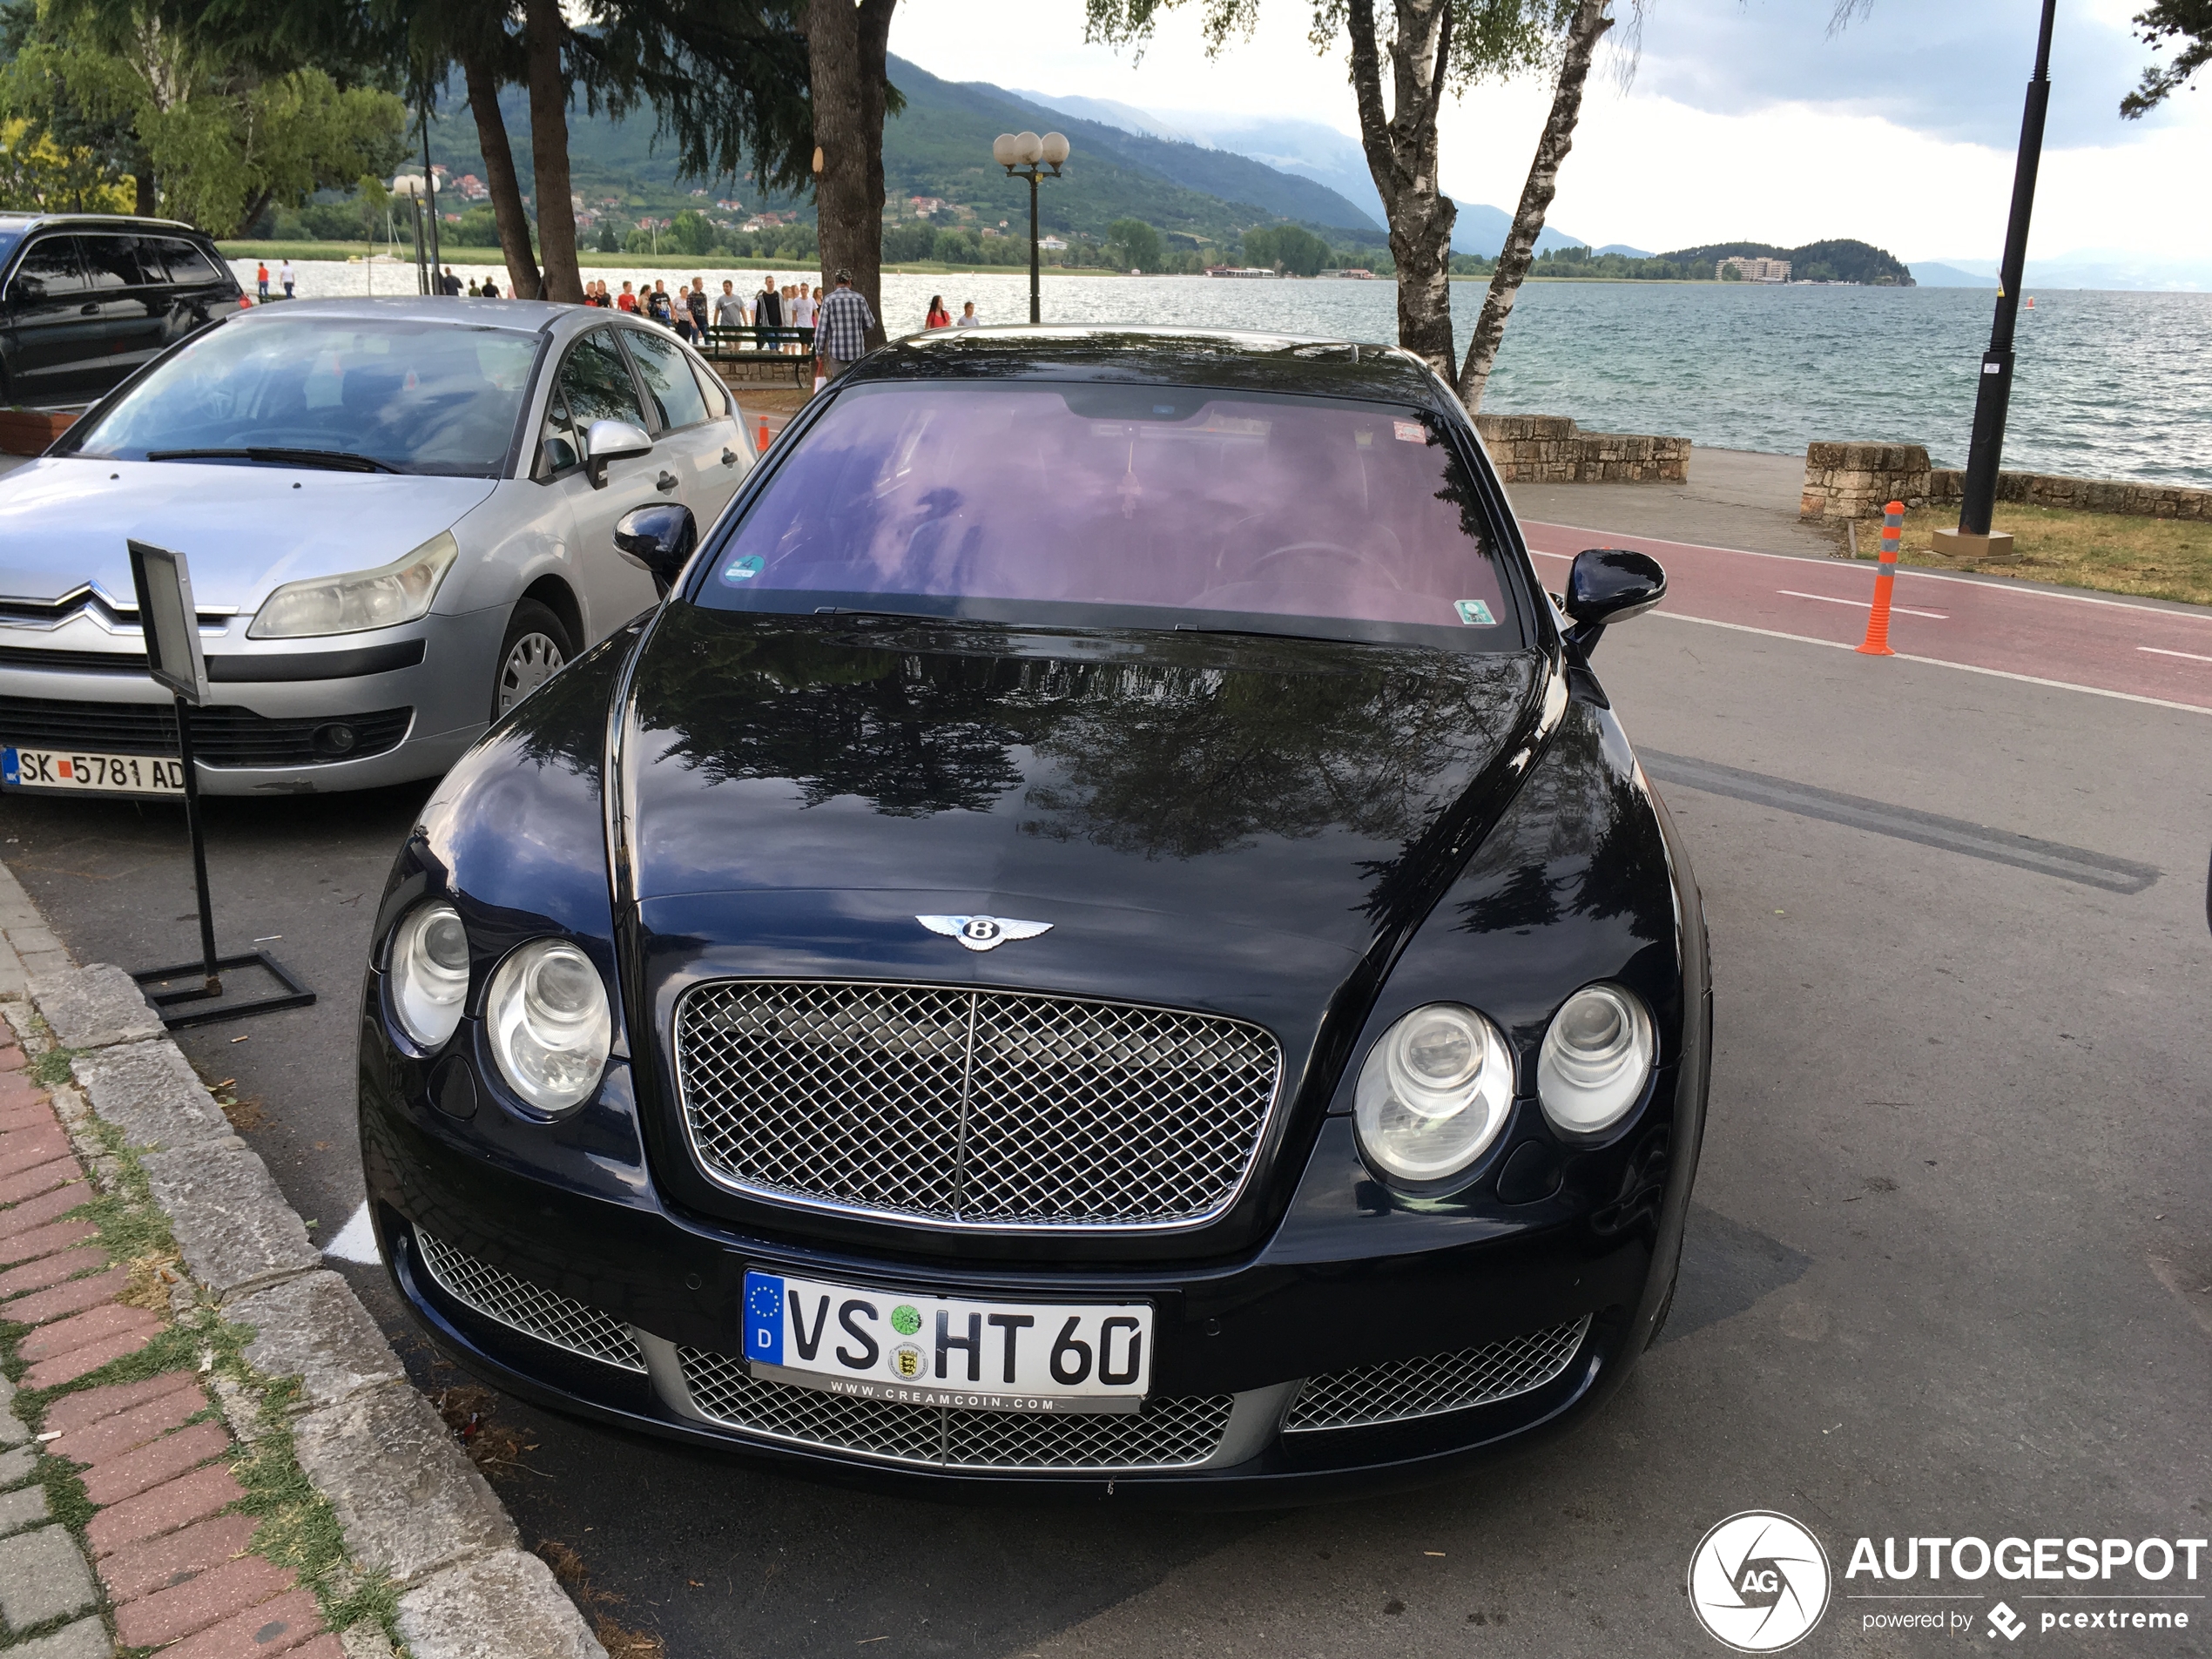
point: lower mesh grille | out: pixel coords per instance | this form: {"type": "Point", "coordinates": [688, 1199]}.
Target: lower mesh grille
{"type": "Point", "coordinates": [531, 1309]}
{"type": "Point", "coordinates": [220, 735]}
{"type": "Point", "coordinates": [1166, 1434]}
{"type": "Point", "coordinates": [1436, 1382]}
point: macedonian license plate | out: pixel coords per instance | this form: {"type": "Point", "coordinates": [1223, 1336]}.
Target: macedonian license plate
{"type": "Point", "coordinates": [64, 769]}
{"type": "Point", "coordinates": [919, 1349]}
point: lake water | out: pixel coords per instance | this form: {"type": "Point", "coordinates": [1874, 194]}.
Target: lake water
{"type": "Point", "coordinates": [2108, 385]}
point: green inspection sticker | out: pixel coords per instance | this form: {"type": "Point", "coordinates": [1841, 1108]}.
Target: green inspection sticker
{"type": "Point", "coordinates": [905, 1320]}
{"type": "Point", "coordinates": [1474, 613]}
{"type": "Point", "coordinates": [743, 569]}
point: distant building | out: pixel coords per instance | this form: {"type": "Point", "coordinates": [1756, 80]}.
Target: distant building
{"type": "Point", "coordinates": [1752, 269]}
{"type": "Point", "coordinates": [1241, 271]}
{"type": "Point", "coordinates": [1052, 245]}
{"type": "Point", "coordinates": [1357, 273]}
{"type": "Point", "coordinates": [924, 206]}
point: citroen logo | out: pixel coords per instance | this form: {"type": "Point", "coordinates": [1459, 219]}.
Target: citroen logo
{"type": "Point", "coordinates": [983, 932]}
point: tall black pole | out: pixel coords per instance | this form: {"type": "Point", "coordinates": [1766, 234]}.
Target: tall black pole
{"type": "Point", "coordinates": [430, 189]}
{"type": "Point", "coordinates": [198, 847]}
{"type": "Point", "coordinates": [1994, 397]}
{"type": "Point", "coordinates": [1036, 307]}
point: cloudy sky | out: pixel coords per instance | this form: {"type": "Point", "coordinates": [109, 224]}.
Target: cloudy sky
{"type": "Point", "coordinates": [1743, 118]}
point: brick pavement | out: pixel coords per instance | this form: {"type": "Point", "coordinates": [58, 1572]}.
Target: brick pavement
{"type": "Point", "coordinates": [173, 1566]}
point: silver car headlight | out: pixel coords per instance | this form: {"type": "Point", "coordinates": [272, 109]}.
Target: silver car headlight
{"type": "Point", "coordinates": [383, 598]}
{"type": "Point", "coordinates": [1434, 1093]}
{"type": "Point", "coordinates": [429, 973]}
{"type": "Point", "coordinates": [1596, 1059]}
{"type": "Point", "coordinates": [550, 1024]}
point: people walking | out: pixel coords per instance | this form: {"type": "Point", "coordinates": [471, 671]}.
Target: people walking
{"type": "Point", "coordinates": [285, 276]}
{"type": "Point", "coordinates": [627, 300]}
{"type": "Point", "coordinates": [802, 308]}
{"type": "Point", "coordinates": [938, 317]}
{"type": "Point", "coordinates": [491, 289]}
{"type": "Point", "coordinates": [968, 317]}
{"type": "Point", "coordinates": [768, 313]}
{"type": "Point", "coordinates": [261, 276]}
{"type": "Point", "coordinates": [729, 307]}
{"type": "Point", "coordinates": [843, 335]}
{"type": "Point", "coordinates": [659, 306]}
{"type": "Point", "coordinates": [695, 303]}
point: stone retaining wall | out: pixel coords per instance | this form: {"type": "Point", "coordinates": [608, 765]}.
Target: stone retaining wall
{"type": "Point", "coordinates": [1552, 449]}
{"type": "Point", "coordinates": [1845, 480]}
{"type": "Point", "coordinates": [2084, 495]}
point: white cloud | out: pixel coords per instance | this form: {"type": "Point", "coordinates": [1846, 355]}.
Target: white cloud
{"type": "Point", "coordinates": [1744, 121]}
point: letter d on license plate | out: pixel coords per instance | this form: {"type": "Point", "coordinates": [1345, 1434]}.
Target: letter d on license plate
{"type": "Point", "coordinates": [921, 1349]}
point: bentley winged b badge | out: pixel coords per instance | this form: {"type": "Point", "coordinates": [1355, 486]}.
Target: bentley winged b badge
{"type": "Point", "coordinates": [983, 932]}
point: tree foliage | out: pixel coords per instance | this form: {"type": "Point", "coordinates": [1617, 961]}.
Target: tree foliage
{"type": "Point", "coordinates": [1134, 245]}
{"type": "Point", "coordinates": [2188, 22]}
{"type": "Point", "coordinates": [230, 118]}
{"type": "Point", "coordinates": [38, 176]}
{"type": "Point", "coordinates": [1289, 248]}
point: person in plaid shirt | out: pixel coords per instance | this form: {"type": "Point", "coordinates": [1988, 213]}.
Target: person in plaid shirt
{"type": "Point", "coordinates": [841, 335]}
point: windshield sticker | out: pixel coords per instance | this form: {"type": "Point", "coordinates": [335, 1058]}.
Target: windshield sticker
{"type": "Point", "coordinates": [1409, 431]}
{"type": "Point", "coordinates": [742, 570]}
{"type": "Point", "coordinates": [1474, 613]}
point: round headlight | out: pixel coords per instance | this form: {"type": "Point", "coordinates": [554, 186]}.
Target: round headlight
{"type": "Point", "coordinates": [1434, 1093]}
{"type": "Point", "coordinates": [429, 973]}
{"type": "Point", "coordinates": [550, 1029]}
{"type": "Point", "coordinates": [1596, 1059]}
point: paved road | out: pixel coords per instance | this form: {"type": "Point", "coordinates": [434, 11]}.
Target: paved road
{"type": "Point", "coordinates": [1946, 1275]}
{"type": "Point", "coordinates": [2134, 648]}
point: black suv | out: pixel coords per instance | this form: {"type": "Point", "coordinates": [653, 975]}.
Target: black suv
{"type": "Point", "coordinates": [85, 298]}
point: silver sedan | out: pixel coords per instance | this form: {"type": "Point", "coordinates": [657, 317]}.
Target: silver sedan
{"type": "Point", "coordinates": [399, 517]}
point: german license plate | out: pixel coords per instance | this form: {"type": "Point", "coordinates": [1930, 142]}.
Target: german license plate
{"type": "Point", "coordinates": [920, 1349]}
{"type": "Point", "coordinates": [70, 770]}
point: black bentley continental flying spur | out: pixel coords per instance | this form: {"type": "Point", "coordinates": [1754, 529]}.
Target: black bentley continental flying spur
{"type": "Point", "coordinates": [1103, 936]}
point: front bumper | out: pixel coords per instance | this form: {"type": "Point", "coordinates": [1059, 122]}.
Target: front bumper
{"type": "Point", "coordinates": [613, 1305]}
{"type": "Point", "coordinates": [436, 701]}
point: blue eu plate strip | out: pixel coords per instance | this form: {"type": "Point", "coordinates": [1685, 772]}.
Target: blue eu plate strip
{"type": "Point", "coordinates": [764, 1318]}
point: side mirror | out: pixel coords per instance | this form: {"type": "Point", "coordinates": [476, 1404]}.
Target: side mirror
{"type": "Point", "coordinates": [658, 538]}
{"type": "Point", "coordinates": [1610, 584]}
{"type": "Point", "coordinates": [609, 441]}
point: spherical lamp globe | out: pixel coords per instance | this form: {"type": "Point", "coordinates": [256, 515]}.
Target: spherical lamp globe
{"type": "Point", "coordinates": [1006, 150]}
{"type": "Point", "coordinates": [1054, 149]}
{"type": "Point", "coordinates": [1032, 147]}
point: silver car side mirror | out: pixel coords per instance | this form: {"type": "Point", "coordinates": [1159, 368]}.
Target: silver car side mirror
{"type": "Point", "coordinates": [607, 440]}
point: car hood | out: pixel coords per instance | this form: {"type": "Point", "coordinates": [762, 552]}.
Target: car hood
{"type": "Point", "coordinates": [243, 530]}
{"type": "Point", "coordinates": [809, 785]}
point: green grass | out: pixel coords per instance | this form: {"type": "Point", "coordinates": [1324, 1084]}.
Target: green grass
{"type": "Point", "coordinates": [50, 1069]}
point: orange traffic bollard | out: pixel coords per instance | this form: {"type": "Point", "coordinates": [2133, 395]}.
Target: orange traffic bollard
{"type": "Point", "coordinates": [763, 444]}
{"type": "Point", "coordinates": [1877, 642]}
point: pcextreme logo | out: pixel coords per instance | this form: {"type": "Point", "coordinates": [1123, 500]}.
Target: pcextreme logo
{"type": "Point", "coordinates": [1759, 1581]}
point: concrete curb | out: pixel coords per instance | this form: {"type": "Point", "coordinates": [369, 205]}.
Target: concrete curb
{"type": "Point", "coordinates": [410, 1501]}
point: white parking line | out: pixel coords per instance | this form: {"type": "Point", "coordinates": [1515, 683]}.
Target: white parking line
{"type": "Point", "coordinates": [1864, 604]}
{"type": "Point", "coordinates": [2160, 650]}
{"type": "Point", "coordinates": [357, 1240]}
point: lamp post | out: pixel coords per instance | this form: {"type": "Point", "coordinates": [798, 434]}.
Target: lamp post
{"type": "Point", "coordinates": [1993, 398]}
{"type": "Point", "coordinates": [1024, 155]}
{"type": "Point", "coordinates": [408, 187]}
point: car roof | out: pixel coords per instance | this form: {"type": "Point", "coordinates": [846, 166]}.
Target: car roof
{"type": "Point", "coordinates": [1242, 359]}
{"type": "Point", "coordinates": [524, 316]}
{"type": "Point", "coordinates": [110, 221]}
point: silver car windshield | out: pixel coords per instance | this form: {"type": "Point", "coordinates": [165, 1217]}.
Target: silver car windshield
{"type": "Point", "coordinates": [371, 394]}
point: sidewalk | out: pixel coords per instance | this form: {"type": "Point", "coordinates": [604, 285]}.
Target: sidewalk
{"type": "Point", "coordinates": [207, 1448]}
{"type": "Point", "coordinates": [1734, 498]}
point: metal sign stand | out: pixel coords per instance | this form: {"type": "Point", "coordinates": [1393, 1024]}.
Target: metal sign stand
{"type": "Point", "coordinates": [173, 658]}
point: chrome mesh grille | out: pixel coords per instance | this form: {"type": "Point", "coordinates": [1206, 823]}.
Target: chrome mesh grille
{"type": "Point", "coordinates": [531, 1309]}
{"type": "Point", "coordinates": [1166, 1434]}
{"type": "Point", "coordinates": [1436, 1382]}
{"type": "Point", "coordinates": [973, 1107]}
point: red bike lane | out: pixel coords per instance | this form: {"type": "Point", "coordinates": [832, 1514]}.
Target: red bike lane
{"type": "Point", "coordinates": [2087, 642]}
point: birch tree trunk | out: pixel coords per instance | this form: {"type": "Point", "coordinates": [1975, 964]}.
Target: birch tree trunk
{"type": "Point", "coordinates": [1583, 35]}
{"type": "Point", "coordinates": [846, 50]}
{"type": "Point", "coordinates": [1401, 156]}
{"type": "Point", "coordinates": [544, 31]}
{"type": "Point", "coordinates": [523, 281]}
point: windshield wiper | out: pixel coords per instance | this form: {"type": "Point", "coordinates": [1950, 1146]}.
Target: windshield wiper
{"type": "Point", "coordinates": [330, 460]}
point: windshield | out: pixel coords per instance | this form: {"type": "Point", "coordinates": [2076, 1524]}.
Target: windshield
{"type": "Point", "coordinates": [10, 235]}
{"type": "Point", "coordinates": [410, 397]}
{"type": "Point", "coordinates": [1234, 509]}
